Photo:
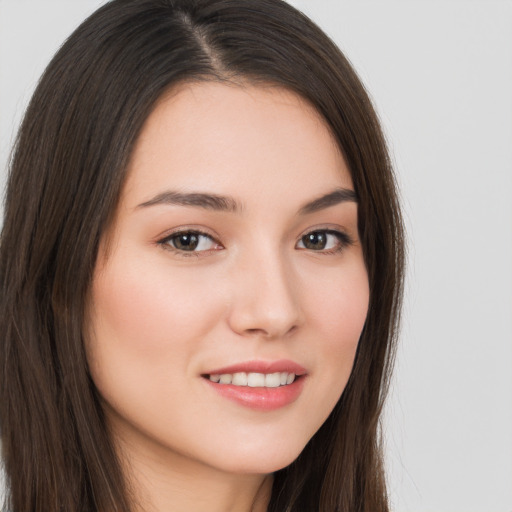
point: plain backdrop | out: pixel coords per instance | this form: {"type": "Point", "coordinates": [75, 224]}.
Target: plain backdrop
{"type": "Point", "coordinates": [440, 73]}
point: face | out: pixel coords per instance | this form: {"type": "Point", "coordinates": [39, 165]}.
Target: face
{"type": "Point", "coordinates": [230, 293]}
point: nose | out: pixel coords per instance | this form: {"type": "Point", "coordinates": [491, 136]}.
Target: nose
{"type": "Point", "coordinates": [265, 298]}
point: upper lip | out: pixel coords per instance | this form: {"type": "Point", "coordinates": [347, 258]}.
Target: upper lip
{"type": "Point", "coordinates": [282, 365]}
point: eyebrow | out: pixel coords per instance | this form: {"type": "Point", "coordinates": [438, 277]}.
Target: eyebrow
{"type": "Point", "coordinates": [340, 195]}
{"type": "Point", "coordinates": [229, 204]}
{"type": "Point", "coordinates": [198, 199]}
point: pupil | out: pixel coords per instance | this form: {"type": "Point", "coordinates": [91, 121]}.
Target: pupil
{"type": "Point", "coordinates": [186, 242]}
{"type": "Point", "coordinates": [315, 240]}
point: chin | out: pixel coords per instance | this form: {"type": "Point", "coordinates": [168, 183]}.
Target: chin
{"type": "Point", "coordinates": [261, 461]}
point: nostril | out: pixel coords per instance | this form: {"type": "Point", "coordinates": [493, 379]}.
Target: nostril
{"type": "Point", "coordinates": [257, 331]}
{"type": "Point", "coordinates": [270, 333]}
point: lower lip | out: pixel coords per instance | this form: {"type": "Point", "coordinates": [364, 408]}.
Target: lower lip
{"type": "Point", "coordinates": [262, 399]}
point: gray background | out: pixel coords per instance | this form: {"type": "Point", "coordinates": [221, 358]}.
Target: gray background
{"type": "Point", "coordinates": [440, 72]}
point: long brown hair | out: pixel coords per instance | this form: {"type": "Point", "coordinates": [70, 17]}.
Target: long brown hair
{"type": "Point", "coordinates": [65, 179]}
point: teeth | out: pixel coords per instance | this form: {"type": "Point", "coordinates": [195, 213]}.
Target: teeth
{"type": "Point", "coordinates": [239, 379]}
{"type": "Point", "coordinates": [272, 380]}
{"type": "Point", "coordinates": [254, 380]}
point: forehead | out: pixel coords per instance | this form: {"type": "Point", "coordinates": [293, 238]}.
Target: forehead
{"type": "Point", "coordinates": [241, 140]}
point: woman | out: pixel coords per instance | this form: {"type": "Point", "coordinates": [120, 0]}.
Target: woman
{"type": "Point", "coordinates": [201, 264]}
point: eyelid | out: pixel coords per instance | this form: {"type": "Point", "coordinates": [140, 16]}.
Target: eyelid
{"type": "Point", "coordinates": [187, 228]}
{"type": "Point", "coordinates": [328, 228]}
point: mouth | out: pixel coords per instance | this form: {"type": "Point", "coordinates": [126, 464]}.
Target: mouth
{"type": "Point", "coordinates": [259, 385]}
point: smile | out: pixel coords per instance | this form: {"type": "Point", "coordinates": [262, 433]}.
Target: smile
{"type": "Point", "coordinates": [258, 385]}
{"type": "Point", "coordinates": [254, 380]}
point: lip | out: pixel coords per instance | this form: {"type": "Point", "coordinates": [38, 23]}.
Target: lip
{"type": "Point", "coordinates": [283, 365]}
{"type": "Point", "coordinates": [261, 399]}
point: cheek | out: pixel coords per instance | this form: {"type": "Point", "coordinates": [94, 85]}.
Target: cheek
{"type": "Point", "coordinates": [338, 309]}
{"type": "Point", "coordinates": [148, 307]}
{"type": "Point", "coordinates": [339, 304]}
{"type": "Point", "coordinates": [144, 324]}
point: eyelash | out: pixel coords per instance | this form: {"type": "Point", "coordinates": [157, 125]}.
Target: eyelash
{"type": "Point", "coordinates": [166, 243]}
{"type": "Point", "coordinates": [344, 240]}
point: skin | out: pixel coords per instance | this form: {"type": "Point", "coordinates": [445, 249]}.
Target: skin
{"type": "Point", "coordinates": [161, 318]}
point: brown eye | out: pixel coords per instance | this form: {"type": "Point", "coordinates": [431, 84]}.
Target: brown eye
{"type": "Point", "coordinates": [185, 241]}
{"type": "Point", "coordinates": [317, 240]}
{"type": "Point", "coordinates": [190, 241]}
{"type": "Point", "coordinates": [324, 240]}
